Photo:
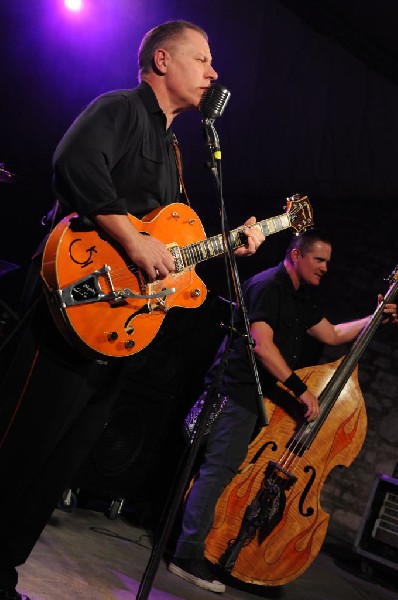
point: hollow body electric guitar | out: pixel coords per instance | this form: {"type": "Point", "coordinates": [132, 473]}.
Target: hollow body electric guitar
{"type": "Point", "coordinates": [103, 303]}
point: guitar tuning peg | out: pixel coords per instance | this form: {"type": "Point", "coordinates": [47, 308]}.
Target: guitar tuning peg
{"type": "Point", "coordinates": [294, 197]}
{"type": "Point", "coordinates": [393, 275]}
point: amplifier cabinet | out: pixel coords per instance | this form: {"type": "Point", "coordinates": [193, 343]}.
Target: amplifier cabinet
{"type": "Point", "coordinates": [377, 537]}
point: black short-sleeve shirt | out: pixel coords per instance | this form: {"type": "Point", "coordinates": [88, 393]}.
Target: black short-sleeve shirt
{"type": "Point", "coordinates": [270, 297]}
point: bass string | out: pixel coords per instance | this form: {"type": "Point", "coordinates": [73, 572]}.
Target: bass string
{"type": "Point", "coordinates": [303, 439]}
{"type": "Point", "coordinates": [290, 459]}
{"type": "Point", "coordinates": [287, 464]}
{"type": "Point", "coordinates": [328, 396]}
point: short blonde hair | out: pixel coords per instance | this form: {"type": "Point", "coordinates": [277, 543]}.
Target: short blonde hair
{"type": "Point", "coordinates": [156, 37]}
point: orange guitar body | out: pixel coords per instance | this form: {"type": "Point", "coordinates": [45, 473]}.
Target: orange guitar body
{"type": "Point", "coordinates": [74, 253]}
{"type": "Point", "coordinates": [103, 304]}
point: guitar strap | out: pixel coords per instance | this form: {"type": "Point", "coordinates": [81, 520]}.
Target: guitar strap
{"type": "Point", "coordinates": [177, 156]}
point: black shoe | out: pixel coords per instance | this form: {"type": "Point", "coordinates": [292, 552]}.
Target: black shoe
{"type": "Point", "coordinates": [12, 595]}
{"type": "Point", "coordinates": [197, 571]}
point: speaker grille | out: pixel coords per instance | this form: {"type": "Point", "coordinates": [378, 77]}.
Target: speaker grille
{"type": "Point", "coordinates": [121, 442]}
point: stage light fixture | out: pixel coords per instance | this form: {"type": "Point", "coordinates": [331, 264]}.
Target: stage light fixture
{"type": "Point", "coordinates": [74, 5]}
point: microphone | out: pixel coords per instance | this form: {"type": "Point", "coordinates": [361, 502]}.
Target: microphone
{"type": "Point", "coordinates": [214, 101]}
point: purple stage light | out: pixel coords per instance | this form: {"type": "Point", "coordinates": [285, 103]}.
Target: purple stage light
{"type": "Point", "coordinates": [74, 5]}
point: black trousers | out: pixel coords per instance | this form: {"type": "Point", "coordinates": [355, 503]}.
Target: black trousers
{"type": "Point", "coordinates": [53, 406]}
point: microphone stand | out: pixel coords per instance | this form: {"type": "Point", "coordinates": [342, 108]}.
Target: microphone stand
{"type": "Point", "coordinates": [213, 143]}
{"type": "Point", "coordinates": [176, 495]}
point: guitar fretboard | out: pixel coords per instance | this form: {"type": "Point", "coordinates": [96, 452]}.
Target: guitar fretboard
{"type": "Point", "coordinates": [214, 246]}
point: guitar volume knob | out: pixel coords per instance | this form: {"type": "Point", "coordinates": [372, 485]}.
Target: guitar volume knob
{"type": "Point", "coordinates": [129, 344]}
{"type": "Point", "coordinates": [195, 293]}
{"type": "Point", "coordinates": [112, 336]}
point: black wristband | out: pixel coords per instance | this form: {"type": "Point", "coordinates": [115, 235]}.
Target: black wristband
{"type": "Point", "coordinates": [295, 385]}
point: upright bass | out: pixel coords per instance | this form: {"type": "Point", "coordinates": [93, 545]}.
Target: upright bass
{"type": "Point", "coordinates": [269, 525]}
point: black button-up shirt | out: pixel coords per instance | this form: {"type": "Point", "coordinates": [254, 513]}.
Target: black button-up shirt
{"type": "Point", "coordinates": [117, 157]}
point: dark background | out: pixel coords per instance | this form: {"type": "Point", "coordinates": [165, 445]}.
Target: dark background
{"type": "Point", "coordinates": [313, 110]}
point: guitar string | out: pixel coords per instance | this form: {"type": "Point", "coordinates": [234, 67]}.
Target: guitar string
{"type": "Point", "coordinates": [211, 247]}
{"type": "Point", "coordinates": [203, 249]}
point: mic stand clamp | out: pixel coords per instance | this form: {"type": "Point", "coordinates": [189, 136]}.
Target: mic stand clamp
{"type": "Point", "coordinates": [213, 143]}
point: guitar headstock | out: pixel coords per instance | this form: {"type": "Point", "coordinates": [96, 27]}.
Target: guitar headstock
{"type": "Point", "coordinates": [299, 212]}
{"type": "Point", "coordinates": [393, 275]}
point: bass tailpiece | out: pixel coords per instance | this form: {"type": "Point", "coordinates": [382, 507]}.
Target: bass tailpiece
{"type": "Point", "coordinates": [262, 515]}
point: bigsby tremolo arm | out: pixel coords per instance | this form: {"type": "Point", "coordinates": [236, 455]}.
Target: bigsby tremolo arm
{"type": "Point", "coordinates": [88, 290]}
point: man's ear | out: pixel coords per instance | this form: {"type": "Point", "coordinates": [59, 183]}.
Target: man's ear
{"type": "Point", "coordinates": [294, 255]}
{"type": "Point", "coordinates": [160, 60]}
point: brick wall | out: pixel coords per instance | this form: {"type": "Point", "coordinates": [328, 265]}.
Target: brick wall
{"type": "Point", "coordinates": [365, 251]}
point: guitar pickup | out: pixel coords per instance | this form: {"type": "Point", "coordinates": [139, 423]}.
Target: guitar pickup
{"type": "Point", "coordinates": [88, 290]}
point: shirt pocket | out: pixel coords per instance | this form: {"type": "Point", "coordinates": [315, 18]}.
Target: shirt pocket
{"type": "Point", "coordinates": [152, 149]}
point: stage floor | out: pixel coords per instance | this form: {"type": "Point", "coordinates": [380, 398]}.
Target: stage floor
{"type": "Point", "coordinates": [83, 554]}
